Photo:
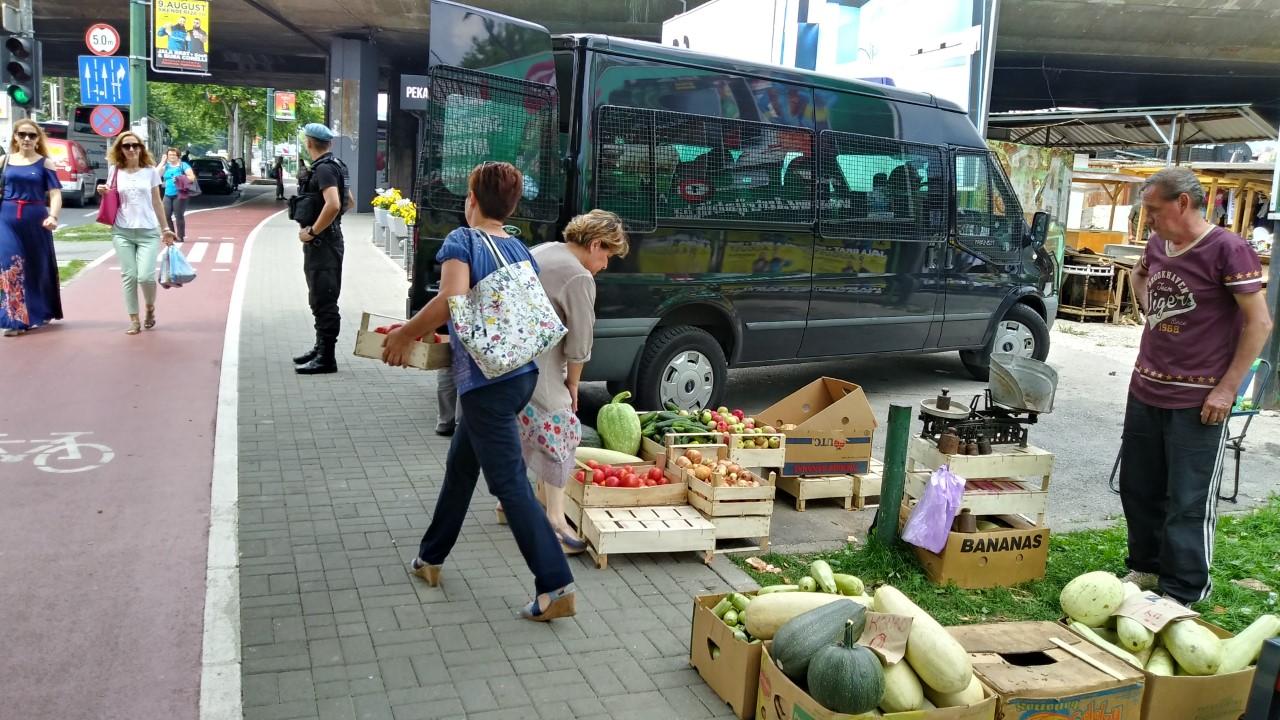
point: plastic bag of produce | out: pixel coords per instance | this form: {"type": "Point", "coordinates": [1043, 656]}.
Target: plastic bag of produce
{"type": "Point", "coordinates": [930, 521]}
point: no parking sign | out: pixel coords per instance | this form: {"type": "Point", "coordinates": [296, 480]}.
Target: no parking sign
{"type": "Point", "coordinates": [106, 120]}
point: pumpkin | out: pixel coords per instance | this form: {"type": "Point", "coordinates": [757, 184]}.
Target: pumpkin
{"type": "Point", "coordinates": [846, 678]}
{"type": "Point", "coordinates": [619, 425]}
{"type": "Point", "coordinates": [801, 637]}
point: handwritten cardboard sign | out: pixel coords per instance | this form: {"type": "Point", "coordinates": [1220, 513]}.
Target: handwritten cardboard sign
{"type": "Point", "coordinates": [1153, 611]}
{"type": "Point", "coordinates": [886, 635]}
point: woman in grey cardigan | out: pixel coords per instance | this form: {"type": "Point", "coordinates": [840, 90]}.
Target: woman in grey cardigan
{"type": "Point", "coordinates": [549, 428]}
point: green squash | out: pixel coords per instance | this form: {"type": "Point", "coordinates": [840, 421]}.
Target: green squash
{"type": "Point", "coordinates": [846, 678]}
{"type": "Point", "coordinates": [590, 438]}
{"type": "Point", "coordinates": [619, 425]}
{"type": "Point", "coordinates": [801, 637]}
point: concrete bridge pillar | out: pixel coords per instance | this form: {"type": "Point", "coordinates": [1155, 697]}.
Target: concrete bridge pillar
{"type": "Point", "coordinates": [353, 112]}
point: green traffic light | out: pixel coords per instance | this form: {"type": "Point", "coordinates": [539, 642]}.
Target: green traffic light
{"type": "Point", "coordinates": [20, 95]}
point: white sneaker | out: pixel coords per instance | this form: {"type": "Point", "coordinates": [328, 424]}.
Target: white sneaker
{"type": "Point", "coordinates": [1144, 580]}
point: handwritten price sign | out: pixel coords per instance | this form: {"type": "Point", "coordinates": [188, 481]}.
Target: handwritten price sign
{"type": "Point", "coordinates": [886, 635]}
{"type": "Point", "coordinates": [1153, 611]}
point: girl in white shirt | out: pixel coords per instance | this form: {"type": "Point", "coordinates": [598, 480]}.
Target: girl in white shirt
{"type": "Point", "coordinates": [139, 227]}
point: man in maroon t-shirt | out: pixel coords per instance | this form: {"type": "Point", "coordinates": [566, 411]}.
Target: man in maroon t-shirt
{"type": "Point", "coordinates": [1206, 321]}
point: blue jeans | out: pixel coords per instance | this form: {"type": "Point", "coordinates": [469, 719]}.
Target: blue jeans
{"type": "Point", "coordinates": [487, 438]}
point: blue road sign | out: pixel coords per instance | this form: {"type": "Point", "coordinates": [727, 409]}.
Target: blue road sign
{"type": "Point", "coordinates": [106, 120]}
{"type": "Point", "coordinates": [104, 80]}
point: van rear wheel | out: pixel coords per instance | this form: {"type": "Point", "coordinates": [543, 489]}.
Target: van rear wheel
{"type": "Point", "coordinates": [683, 365]}
{"type": "Point", "coordinates": [1020, 332]}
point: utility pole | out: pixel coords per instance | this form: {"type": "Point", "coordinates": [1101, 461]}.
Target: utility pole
{"type": "Point", "coordinates": [139, 56]}
{"type": "Point", "coordinates": [270, 154]}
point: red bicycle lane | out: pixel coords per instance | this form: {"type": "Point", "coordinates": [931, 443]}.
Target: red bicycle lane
{"type": "Point", "coordinates": [103, 557]}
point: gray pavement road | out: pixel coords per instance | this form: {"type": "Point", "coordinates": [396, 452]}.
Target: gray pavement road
{"type": "Point", "coordinates": [75, 217]}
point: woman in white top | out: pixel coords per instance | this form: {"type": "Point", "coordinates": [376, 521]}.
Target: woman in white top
{"type": "Point", "coordinates": [140, 224]}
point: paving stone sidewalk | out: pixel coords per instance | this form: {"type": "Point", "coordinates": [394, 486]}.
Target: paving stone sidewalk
{"type": "Point", "coordinates": [338, 475]}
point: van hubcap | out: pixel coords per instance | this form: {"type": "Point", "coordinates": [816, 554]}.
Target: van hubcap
{"type": "Point", "coordinates": [1014, 338]}
{"type": "Point", "coordinates": [688, 381]}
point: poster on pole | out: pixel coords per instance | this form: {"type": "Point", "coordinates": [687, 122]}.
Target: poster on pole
{"type": "Point", "coordinates": [286, 106]}
{"type": "Point", "coordinates": [180, 36]}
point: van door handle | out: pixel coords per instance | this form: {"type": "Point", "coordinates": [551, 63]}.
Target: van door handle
{"type": "Point", "coordinates": [931, 257]}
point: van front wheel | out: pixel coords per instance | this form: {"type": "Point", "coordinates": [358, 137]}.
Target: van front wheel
{"type": "Point", "coordinates": [683, 365]}
{"type": "Point", "coordinates": [1021, 332]}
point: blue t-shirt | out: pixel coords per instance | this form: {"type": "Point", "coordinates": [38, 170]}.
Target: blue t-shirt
{"type": "Point", "coordinates": [171, 173]}
{"type": "Point", "coordinates": [468, 246]}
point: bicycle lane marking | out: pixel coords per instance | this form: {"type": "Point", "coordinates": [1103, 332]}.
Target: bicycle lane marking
{"type": "Point", "coordinates": [102, 573]}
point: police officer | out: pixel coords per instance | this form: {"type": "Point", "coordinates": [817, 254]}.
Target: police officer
{"type": "Point", "coordinates": [326, 188]}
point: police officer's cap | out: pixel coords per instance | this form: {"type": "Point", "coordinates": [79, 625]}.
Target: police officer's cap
{"type": "Point", "coordinates": [318, 131]}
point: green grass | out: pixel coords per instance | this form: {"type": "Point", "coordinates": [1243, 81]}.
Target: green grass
{"type": "Point", "coordinates": [1248, 546]}
{"type": "Point", "coordinates": [90, 232]}
{"type": "Point", "coordinates": [70, 270]}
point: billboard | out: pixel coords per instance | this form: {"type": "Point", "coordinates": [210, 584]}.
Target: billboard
{"type": "Point", "coordinates": [943, 47]}
{"type": "Point", "coordinates": [180, 36]}
{"type": "Point", "coordinates": [286, 106]}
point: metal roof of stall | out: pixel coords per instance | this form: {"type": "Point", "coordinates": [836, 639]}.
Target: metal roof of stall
{"type": "Point", "coordinates": [1128, 127]}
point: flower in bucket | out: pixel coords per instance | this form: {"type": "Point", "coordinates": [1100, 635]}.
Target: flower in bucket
{"type": "Point", "coordinates": [405, 210]}
{"type": "Point", "coordinates": [386, 198]}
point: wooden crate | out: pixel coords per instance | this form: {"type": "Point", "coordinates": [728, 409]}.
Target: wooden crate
{"type": "Point", "coordinates": [1013, 482]}
{"type": "Point", "coordinates": [804, 489]}
{"type": "Point", "coordinates": [724, 501]}
{"type": "Point", "coordinates": [646, 530]}
{"type": "Point", "coordinates": [587, 495]}
{"type": "Point", "coordinates": [750, 527]}
{"type": "Point", "coordinates": [746, 457]}
{"type": "Point", "coordinates": [423, 354]}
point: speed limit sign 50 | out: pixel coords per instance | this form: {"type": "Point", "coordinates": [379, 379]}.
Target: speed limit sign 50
{"type": "Point", "coordinates": [102, 39]}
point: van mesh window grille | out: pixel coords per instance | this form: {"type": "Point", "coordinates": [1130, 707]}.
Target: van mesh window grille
{"type": "Point", "coordinates": [988, 216]}
{"type": "Point", "coordinates": [476, 117]}
{"type": "Point", "coordinates": [874, 188]}
{"type": "Point", "coordinates": [659, 165]}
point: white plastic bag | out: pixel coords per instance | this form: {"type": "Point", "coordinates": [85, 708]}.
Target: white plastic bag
{"type": "Point", "coordinates": [930, 520]}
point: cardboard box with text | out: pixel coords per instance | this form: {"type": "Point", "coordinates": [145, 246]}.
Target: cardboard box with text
{"type": "Point", "coordinates": [733, 671]}
{"type": "Point", "coordinates": [782, 699]}
{"type": "Point", "coordinates": [833, 429]}
{"type": "Point", "coordinates": [997, 558]}
{"type": "Point", "coordinates": [1037, 678]}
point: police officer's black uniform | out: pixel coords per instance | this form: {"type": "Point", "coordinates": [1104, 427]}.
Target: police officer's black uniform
{"type": "Point", "coordinates": [322, 264]}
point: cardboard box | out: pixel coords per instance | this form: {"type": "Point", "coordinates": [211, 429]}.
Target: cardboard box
{"type": "Point", "coordinates": [998, 558]}
{"type": "Point", "coordinates": [781, 699]}
{"type": "Point", "coordinates": [424, 354]}
{"type": "Point", "coordinates": [1036, 678]}
{"type": "Point", "coordinates": [734, 673]}
{"type": "Point", "coordinates": [1188, 697]}
{"type": "Point", "coordinates": [833, 428]}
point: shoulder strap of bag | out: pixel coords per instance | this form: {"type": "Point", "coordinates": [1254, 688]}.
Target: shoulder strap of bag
{"type": "Point", "coordinates": [493, 248]}
{"type": "Point", "coordinates": [4, 166]}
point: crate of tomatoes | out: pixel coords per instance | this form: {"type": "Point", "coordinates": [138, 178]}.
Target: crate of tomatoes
{"type": "Point", "coordinates": [430, 352]}
{"type": "Point", "coordinates": [597, 484]}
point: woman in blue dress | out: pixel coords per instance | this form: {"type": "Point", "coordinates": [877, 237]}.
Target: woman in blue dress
{"type": "Point", "coordinates": [29, 293]}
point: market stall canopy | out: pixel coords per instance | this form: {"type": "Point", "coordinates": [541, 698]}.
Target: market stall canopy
{"type": "Point", "coordinates": [1128, 127]}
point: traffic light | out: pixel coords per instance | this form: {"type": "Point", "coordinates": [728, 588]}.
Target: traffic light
{"type": "Point", "coordinates": [20, 68]}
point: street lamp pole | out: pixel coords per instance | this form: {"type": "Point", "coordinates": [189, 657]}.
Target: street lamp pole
{"type": "Point", "coordinates": [138, 55]}
{"type": "Point", "coordinates": [271, 112]}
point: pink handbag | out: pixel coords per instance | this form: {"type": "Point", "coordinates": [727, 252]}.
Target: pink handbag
{"type": "Point", "coordinates": [109, 203]}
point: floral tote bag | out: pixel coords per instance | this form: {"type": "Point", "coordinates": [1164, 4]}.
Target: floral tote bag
{"type": "Point", "coordinates": [506, 320]}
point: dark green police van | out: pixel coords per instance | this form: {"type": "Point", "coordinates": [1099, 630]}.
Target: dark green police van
{"type": "Point", "coordinates": [775, 215]}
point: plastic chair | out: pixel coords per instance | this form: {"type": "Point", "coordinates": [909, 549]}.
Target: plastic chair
{"type": "Point", "coordinates": [1252, 389]}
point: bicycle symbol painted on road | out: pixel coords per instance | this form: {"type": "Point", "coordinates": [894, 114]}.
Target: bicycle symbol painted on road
{"type": "Point", "coordinates": [63, 453]}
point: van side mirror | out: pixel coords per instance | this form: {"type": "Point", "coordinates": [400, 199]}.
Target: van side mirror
{"type": "Point", "coordinates": [1039, 230]}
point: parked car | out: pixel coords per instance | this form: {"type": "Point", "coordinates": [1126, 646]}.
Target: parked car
{"type": "Point", "coordinates": [214, 175]}
{"type": "Point", "coordinates": [77, 175]}
{"type": "Point", "coordinates": [776, 216]}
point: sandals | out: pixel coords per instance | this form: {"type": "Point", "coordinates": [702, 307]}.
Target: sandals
{"type": "Point", "coordinates": [135, 327]}
{"type": "Point", "coordinates": [571, 545]}
{"type": "Point", "coordinates": [562, 605]}
{"type": "Point", "coordinates": [14, 332]}
{"type": "Point", "coordinates": [426, 571]}
{"type": "Point", "coordinates": [151, 317]}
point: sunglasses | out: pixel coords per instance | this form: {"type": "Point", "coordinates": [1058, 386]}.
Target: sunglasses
{"type": "Point", "coordinates": [27, 135]}
{"type": "Point", "coordinates": [131, 146]}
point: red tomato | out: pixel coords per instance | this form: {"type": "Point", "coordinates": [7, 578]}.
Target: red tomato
{"type": "Point", "coordinates": [648, 482]}
{"type": "Point", "coordinates": [597, 476]}
{"type": "Point", "coordinates": [611, 481]}
{"type": "Point", "coordinates": [580, 476]}
{"type": "Point", "coordinates": [611, 471]}
{"type": "Point", "coordinates": [655, 474]}
{"type": "Point", "coordinates": [593, 464]}
{"type": "Point", "coordinates": [631, 480]}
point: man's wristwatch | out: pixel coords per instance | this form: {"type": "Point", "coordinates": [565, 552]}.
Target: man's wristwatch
{"type": "Point", "coordinates": [311, 231]}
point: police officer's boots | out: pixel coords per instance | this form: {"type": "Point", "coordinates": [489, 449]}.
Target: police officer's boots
{"type": "Point", "coordinates": [307, 356]}
{"type": "Point", "coordinates": [324, 361]}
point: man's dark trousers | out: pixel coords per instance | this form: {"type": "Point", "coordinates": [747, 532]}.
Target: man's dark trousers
{"type": "Point", "coordinates": [1170, 470]}
{"type": "Point", "coordinates": [322, 264]}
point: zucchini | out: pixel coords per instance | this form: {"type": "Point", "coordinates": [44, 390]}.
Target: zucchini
{"type": "Point", "coordinates": [821, 573]}
{"type": "Point", "coordinates": [1089, 634]}
{"type": "Point", "coordinates": [808, 584]}
{"type": "Point", "coordinates": [849, 584]}
{"type": "Point", "coordinates": [722, 607]}
{"type": "Point", "coordinates": [776, 588]}
{"type": "Point", "coordinates": [730, 617]}
{"type": "Point", "coordinates": [939, 659]}
{"type": "Point", "coordinates": [1194, 646]}
{"type": "Point", "coordinates": [1242, 650]}
{"type": "Point", "coordinates": [606, 456]}
{"type": "Point", "coordinates": [739, 601]}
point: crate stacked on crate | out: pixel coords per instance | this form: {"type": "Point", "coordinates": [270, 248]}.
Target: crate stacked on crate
{"type": "Point", "coordinates": [999, 537]}
{"type": "Point", "coordinates": [736, 499]}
